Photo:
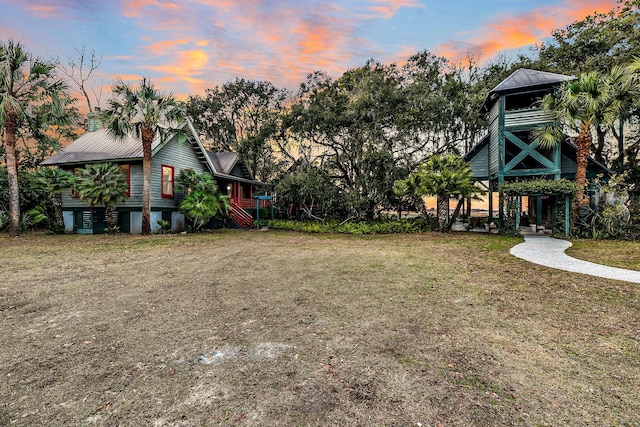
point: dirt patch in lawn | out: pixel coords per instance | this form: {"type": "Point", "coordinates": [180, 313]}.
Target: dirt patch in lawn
{"type": "Point", "coordinates": [280, 329]}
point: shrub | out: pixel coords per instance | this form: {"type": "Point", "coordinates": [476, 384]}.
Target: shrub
{"type": "Point", "coordinates": [414, 225]}
{"type": "Point", "coordinates": [611, 218]}
{"type": "Point", "coordinates": [202, 201]}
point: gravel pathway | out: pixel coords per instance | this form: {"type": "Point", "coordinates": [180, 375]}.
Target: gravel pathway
{"type": "Point", "coordinates": [547, 251]}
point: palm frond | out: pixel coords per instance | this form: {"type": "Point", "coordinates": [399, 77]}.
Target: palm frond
{"type": "Point", "coordinates": [548, 135]}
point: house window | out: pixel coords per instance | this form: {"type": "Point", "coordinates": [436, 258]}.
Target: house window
{"type": "Point", "coordinates": [126, 172]}
{"type": "Point", "coordinates": [167, 181]}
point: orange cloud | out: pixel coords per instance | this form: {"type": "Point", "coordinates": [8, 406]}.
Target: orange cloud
{"type": "Point", "coordinates": [255, 39]}
{"type": "Point", "coordinates": [186, 68]}
{"type": "Point", "coordinates": [517, 31]}
{"type": "Point", "coordinates": [314, 38]}
{"type": "Point", "coordinates": [184, 64]}
{"type": "Point", "coordinates": [163, 46]}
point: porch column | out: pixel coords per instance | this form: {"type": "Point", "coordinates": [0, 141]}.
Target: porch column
{"type": "Point", "coordinates": [490, 204]}
{"type": "Point", "coordinates": [566, 216]}
{"type": "Point", "coordinates": [500, 204]}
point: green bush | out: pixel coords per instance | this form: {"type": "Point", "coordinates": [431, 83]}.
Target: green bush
{"type": "Point", "coordinates": [414, 225]}
{"type": "Point", "coordinates": [202, 201]}
{"type": "Point", "coordinates": [30, 195]}
{"type": "Point", "coordinates": [610, 218]}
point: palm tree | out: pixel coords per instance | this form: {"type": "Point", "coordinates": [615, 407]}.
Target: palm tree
{"type": "Point", "coordinates": [443, 176]}
{"type": "Point", "coordinates": [102, 184]}
{"type": "Point", "coordinates": [25, 82]}
{"type": "Point", "coordinates": [144, 112]}
{"type": "Point", "coordinates": [202, 200]}
{"type": "Point", "coordinates": [55, 181]}
{"type": "Point", "coordinates": [409, 189]}
{"type": "Point", "coordinates": [588, 102]}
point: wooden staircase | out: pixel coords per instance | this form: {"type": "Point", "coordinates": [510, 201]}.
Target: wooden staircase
{"type": "Point", "coordinates": [240, 217]}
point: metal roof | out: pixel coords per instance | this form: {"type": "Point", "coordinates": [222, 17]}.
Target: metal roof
{"type": "Point", "coordinates": [99, 146]}
{"type": "Point", "coordinates": [224, 161]}
{"type": "Point", "coordinates": [524, 78]}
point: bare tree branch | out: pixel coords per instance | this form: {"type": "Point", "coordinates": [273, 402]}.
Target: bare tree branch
{"type": "Point", "coordinates": [80, 69]}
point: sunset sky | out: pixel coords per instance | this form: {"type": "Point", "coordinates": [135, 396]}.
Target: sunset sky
{"type": "Point", "coordinates": [186, 46]}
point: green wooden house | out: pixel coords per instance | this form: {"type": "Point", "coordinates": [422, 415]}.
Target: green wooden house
{"type": "Point", "coordinates": [180, 151]}
{"type": "Point", "coordinates": [507, 152]}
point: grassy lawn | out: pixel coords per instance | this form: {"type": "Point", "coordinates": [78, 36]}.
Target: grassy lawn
{"type": "Point", "coordinates": [287, 329]}
{"type": "Point", "coordinates": [610, 252]}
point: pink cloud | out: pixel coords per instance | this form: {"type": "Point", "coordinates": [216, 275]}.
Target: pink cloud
{"type": "Point", "coordinates": [134, 8]}
{"type": "Point", "coordinates": [198, 43]}
{"type": "Point", "coordinates": [521, 30]}
{"type": "Point", "coordinates": [388, 8]}
{"type": "Point", "coordinates": [193, 44]}
{"type": "Point", "coordinates": [255, 39]}
{"type": "Point", "coordinates": [45, 11]}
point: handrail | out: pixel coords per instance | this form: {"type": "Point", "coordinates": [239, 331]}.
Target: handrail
{"type": "Point", "coordinates": [240, 216]}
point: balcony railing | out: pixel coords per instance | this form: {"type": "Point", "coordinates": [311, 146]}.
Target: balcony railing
{"type": "Point", "coordinates": [250, 203]}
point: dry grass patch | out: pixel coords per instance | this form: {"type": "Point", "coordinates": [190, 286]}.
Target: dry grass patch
{"type": "Point", "coordinates": [280, 329]}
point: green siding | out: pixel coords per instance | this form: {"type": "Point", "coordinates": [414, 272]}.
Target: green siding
{"type": "Point", "coordinates": [178, 154]}
{"type": "Point", "coordinates": [72, 202]}
{"type": "Point", "coordinates": [494, 132]}
{"type": "Point", "coordinates": [135, 187]}
{"type": "Point", "coordinates": [480, 163]}
{"type": "Point", "coordinates": [527, 119]}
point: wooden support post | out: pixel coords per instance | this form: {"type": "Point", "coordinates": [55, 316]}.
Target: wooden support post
{"type": "Point", "coordinates": [257, 213]}
{"type": "Point", "coordinates": [500, 205]}
{"type": "Point", "coordinates": [490, 203]}
{"type": "Point", "coordinates": [566, 216]}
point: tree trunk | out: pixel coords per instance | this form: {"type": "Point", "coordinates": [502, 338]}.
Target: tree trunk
{"type": "Point", "coordinates": [620, 140]}
{"type": "Point", "coordinates": [56, 198]}
{"type": "Point", "coordinates": [147, 140]}
{"type": "Point", "coordinates": [583, 144]}
{"type": "Point", "coordinates": [422, 209]}
{"type": "Point", "coordinates": [443, 214]}
{"type": "Point", "coordinates": [455, 213]}
{"type": "Point", "coordinates": [10, 130]}
{"type": "Point", "coordinates": [600, 146]}
{"type": "Point", "coordinates": [109, 214]}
